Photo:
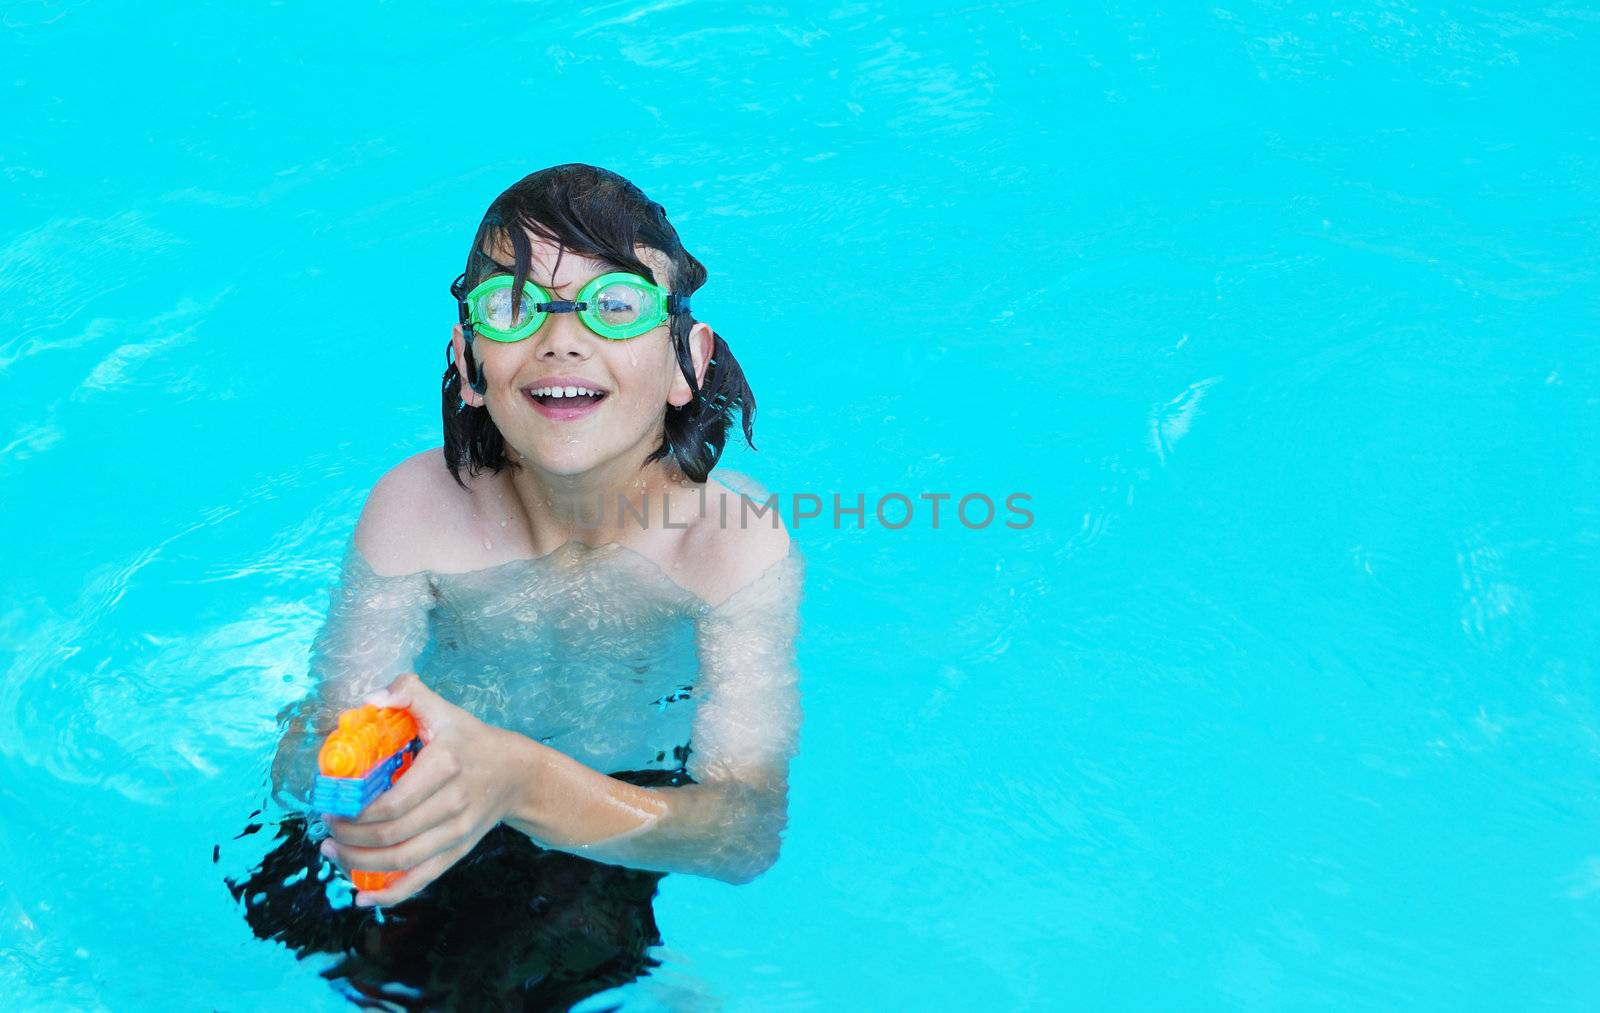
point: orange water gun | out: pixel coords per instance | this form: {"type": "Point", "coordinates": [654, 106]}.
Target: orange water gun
{"type": "Point", "coordinates": [360, 760]}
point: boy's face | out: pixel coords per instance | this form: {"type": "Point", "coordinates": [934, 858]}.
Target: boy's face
{"type": "Point", "coordinates": [639, 376]}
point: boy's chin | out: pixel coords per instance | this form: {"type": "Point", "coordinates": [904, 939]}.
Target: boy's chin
{"type": "Point", "coordinates": [563, 461]}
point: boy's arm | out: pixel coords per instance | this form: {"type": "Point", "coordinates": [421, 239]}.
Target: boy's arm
{"type": "Point", "coordinates": [728, 830]}
{"type": "Point", "coordinates": [375, 629]}
{"type": "Point", "coordinates": [728, 824]}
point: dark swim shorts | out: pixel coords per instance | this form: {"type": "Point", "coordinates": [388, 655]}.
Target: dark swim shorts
{"type": "Point", "coordinates": [512, 926]}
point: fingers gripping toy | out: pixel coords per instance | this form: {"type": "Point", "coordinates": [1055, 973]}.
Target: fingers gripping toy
{"type": "Point", "coordinates": [362, 759]}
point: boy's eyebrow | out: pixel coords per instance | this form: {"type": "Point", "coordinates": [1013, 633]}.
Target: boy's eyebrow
{"type": "Point", "coordinates": [512, 271]}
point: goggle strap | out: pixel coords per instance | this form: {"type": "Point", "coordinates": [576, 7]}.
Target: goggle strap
{"type": "Point", "coordinates": [458, 290]}
{"type": "Point", "coordinates": [677, 303]}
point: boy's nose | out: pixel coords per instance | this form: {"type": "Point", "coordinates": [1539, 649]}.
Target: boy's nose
{"type": "Point", "coordinates": [563, 336]}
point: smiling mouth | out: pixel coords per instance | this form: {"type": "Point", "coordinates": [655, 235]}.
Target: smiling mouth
{"type": "Point", "coordinates": [565, 397]}
{"type": "Point", "coordinates": [564, 402]}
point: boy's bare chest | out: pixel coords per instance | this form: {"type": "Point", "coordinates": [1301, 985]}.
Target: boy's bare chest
{"type": "Point", "coordinates": [492, 532]}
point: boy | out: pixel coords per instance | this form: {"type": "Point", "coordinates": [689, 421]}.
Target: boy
{"type": "Point", "coordinates": [596, 639]}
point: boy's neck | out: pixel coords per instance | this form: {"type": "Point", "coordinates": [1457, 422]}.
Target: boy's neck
{"type": "Point", "coordinates": [602, 505]}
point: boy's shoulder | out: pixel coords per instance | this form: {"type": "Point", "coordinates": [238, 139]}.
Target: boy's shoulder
{"type": "Point", "coordinates": [418, 518]}
{"type": "Point", "coordinates": [410, 514]}
{"type": "Point", "coordinates": [735, 540]}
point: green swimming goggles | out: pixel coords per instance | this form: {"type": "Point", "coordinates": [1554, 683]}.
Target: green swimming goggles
{"type": "Point", "coordinates": [617, 306]}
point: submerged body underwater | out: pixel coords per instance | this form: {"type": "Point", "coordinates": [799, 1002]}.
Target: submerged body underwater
{"type": "Point", "coordinates": [596, 652]}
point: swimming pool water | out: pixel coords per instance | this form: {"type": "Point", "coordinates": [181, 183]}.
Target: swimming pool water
{"type": "Point", "coordinates": [1283, 316]}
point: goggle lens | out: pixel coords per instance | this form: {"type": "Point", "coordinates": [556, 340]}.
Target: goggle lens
{"type": "Point", "coordinates": [494, 310]}
{"type": "Point", "coordinates": [624, 306]}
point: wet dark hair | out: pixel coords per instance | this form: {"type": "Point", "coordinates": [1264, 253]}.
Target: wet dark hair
{"type": "Point", "coordinates": [596, 213]}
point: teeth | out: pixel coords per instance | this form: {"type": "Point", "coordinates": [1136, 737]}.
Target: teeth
{"type": "Point", "coordinates": [563, 391]}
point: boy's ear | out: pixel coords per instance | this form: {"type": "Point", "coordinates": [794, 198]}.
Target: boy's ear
{"type": "Point", "coordinates": [701, 341]}
{"type": "Point", "coordinates": [467, 394]}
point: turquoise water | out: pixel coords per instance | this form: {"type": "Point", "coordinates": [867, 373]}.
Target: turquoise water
{"type": "Point", "coordinates": [1284, 317]}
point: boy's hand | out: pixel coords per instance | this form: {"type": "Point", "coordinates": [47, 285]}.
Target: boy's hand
{"type": "Point", "coordinates": [459, 787]}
